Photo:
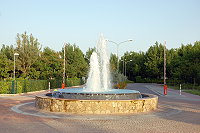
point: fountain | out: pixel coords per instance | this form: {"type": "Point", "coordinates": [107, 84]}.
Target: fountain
{"type": "Point", "coordinates": [97, 97]}
{"type": "Point", "coordinates": [98, 86]}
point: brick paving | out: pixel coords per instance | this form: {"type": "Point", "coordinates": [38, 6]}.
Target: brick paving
{"type": "Point", "coordinates": [175, 114]}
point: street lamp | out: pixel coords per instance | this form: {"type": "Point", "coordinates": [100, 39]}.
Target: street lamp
{"type": "Point", "coordinates": [125, 65]}
{"type": "Point", "coordinates": [124, 61]}
{"type": "Point", "coordinates": [129, 40]}
{"type": "Point", "coordinates": [15, 54]}
{"type": "Point", "coordinates": [13, 83]}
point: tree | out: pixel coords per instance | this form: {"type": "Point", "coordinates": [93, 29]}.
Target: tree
{"type": "Point", "coordinates": [7, 57]}
{"type": "Point", "coordinates": [88, 54]}
{"type": "Point", "coordinates": [134, 64]}
{"type": "Point", "coordinates": [4, 63]}
{"type": "Point", "coordinates": [186, 64]}
{"type": "Point", "coordinates": [49, 65]}
{"type": "Point", "coordinates": [113, 62]}
{"type": "Point", "coordinates": [154, 61]}
{"type": "Point", "coordinates": [76, 65]}
{"type": "Point", "coordinates": [7, 51]}
{"type": "Point", "coordinates": [28, 48]}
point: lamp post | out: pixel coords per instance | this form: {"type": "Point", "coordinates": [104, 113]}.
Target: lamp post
{"type": "Point", "coordinates": [129, 40]}
{"type": "Point", "coordinates": [15, 54]}
{"type": "Point", "coordinates": [124, 61]}
{"type": "Point", "coordinates": [125, 65]}
{"type": "Point", "coordinates": [13, 83]}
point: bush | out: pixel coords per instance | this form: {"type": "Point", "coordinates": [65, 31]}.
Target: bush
{"type": "Point", "coordinates": [5, 87]}
{"type": "Point", "coordinates": [118, 77]}
{"type": "Point", "coordinates": [55, 83]}
{"type": "Point", "coordinates": [120, 85]}
{"type": "Point", "coordinates": [25, 85]}
{"type": "Point", "coordinates": [74, 81]}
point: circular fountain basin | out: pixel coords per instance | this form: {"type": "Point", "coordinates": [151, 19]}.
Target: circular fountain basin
{"type": "Point", "coordinates": [111, 94]}
{"type": "Point", "coordinates": [82, 102]}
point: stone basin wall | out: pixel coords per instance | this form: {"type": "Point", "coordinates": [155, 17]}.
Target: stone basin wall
{"type": "Point", "coordinates": [97, 106]}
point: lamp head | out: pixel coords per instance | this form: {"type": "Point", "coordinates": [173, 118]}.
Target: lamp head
{"type": "Point", "coordinates": [16, 54]}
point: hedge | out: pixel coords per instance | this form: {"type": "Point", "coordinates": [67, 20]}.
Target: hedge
{"type": "Point", "coordinates": [25, 85]}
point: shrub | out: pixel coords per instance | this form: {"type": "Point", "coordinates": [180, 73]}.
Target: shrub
{"type": "Point", "coordinates": [118, 77]}
{"type": "Point", "coordinates": [120, 85]}
{"type": "Point", "coordinates": [73, 81]}
{"type": "Point", "coordinates": [25, 85]}
{"type": "Point", "coordinates": [5, 87]}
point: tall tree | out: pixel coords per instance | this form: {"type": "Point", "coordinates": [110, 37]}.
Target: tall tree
{"type": "Point", "coordinates": [4, 63]}
{"type": "Point", "coordinates": [28, 49]}
{"type": "Point", "coordinates": [76, 65]}
{"type": "Point", "coordinates": [8, 51]}
{"type": "Point", "coordinates": [113, 62]}
{"type": "Point", "coordinates": [7, 57]}
{"type": "Point", "coordinates": [154, 61]}
{"type": "Point", "coordinates": [49, 65]}
{"type": "Point", "coordinates": [88, 54]}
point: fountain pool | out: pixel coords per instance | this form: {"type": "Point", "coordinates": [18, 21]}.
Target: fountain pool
{"type": "Point", "coordinates": [112, 94]}
{"type": "Point", "coordinates": [97, 97]}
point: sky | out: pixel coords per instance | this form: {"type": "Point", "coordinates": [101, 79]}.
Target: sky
{"type": "Point", "coordinates": [55, 22]}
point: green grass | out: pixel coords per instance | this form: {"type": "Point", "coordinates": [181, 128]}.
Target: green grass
{"type": "Point", "coordinates": [195, 92]}
{"type": "Point", "coordinates": [129, 81]}
{"type": "Point", "coordinates": [191, 91]}
{"type": "Point", "coordinates": [174, 87]}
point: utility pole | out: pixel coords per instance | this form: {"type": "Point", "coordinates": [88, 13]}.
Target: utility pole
{"type": "Point", "coordinates": [165, 63]}
{"type": "Point", "coordinates": [63, 83]}
{"type": "Point", "coordinates": [165, 86]}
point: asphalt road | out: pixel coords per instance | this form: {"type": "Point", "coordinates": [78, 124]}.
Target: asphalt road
{"type": "Point", "coordinates": [175, 114]}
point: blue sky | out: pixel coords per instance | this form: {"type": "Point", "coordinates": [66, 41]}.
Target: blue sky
{"type": "Point", "coordinates": [54, 22]}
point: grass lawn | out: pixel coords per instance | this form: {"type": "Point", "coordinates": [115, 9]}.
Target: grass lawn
{"type": "Point", "coordinates": [174, 87]}
{"type": "Point", "coordinates": [195, 92]}
{"type": "Point", "coordinates": [191, 91]}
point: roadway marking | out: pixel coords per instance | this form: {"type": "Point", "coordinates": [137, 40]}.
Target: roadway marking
{"type": "Point", "coordinates": [168, 112]}
{"type": "Point", "coordinates": [17, 110]}
{"type": "Point", "coordinates": [158, 93]}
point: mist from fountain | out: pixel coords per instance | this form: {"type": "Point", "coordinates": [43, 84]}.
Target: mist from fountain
{"type": "Point", "coordinates": [99, 74]}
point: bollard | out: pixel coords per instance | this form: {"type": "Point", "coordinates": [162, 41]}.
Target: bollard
{"type": "Point", "coordinates": [180, 89]}
{"type": "Point", "coordinates": [49, 86]}
{"type": "Point", "coordinates": [63, 85]}
{"type": "Point", "coordinates": [165, 89]}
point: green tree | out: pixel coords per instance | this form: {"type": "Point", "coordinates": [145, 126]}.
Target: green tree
{"type": "Point", "coordinates": [4, 63]}
{"type": "Point", "coordinates": [7, 51]}
{"type": "Point", "coordinates": [50, 64]}
{"type": "Point", "coordinates": [134, 64]}
{"type": "Point", "coordinates": [186, 64]}
{"type": "Point", "coordinates": [154, 61]}
{"type": "Point", "coordinates": [113, 62]}
{"type": "Point", "coordinates": [28, 48]}
{"type": "Point", "coordinates": [7, 57]}
{"type": "Point", "coordinates": [76, 65]}
{"type": "Point", "coordinates": [88, 54]}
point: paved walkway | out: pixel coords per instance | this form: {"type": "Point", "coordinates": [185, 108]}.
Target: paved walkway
{"type": "Point", "coordinates": [175, 114]}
